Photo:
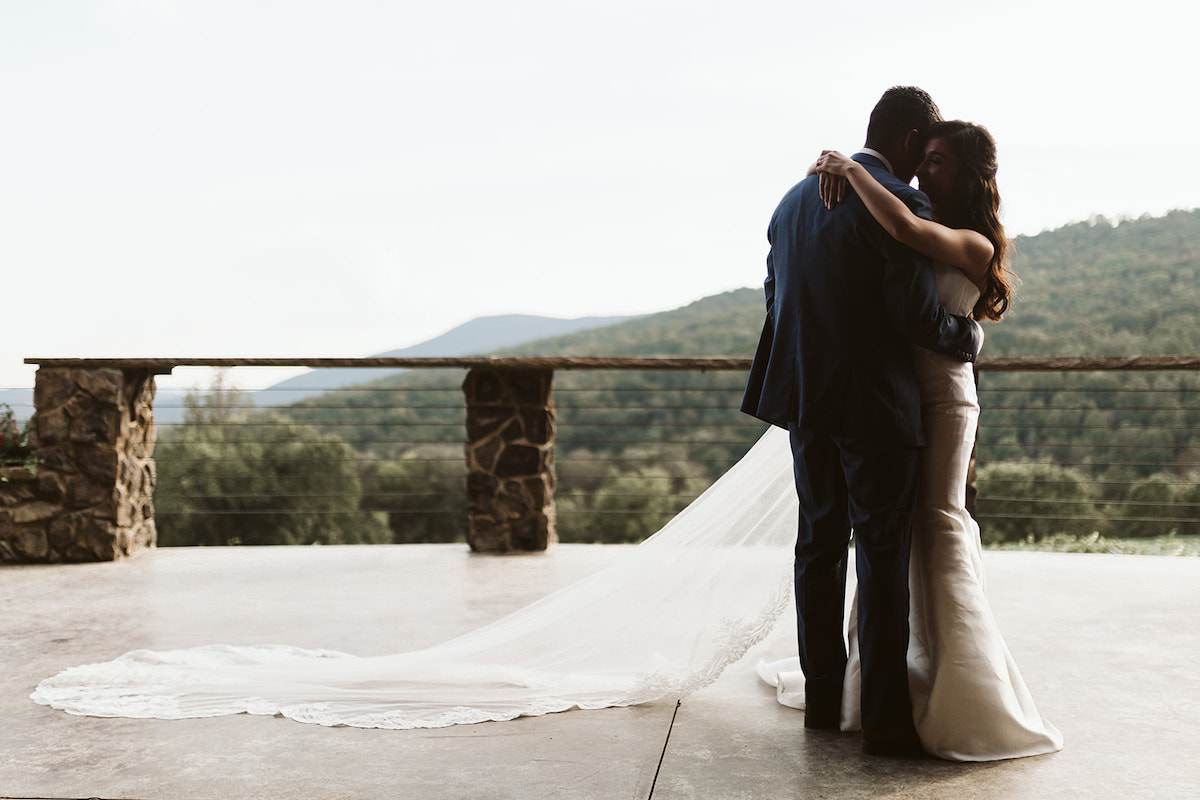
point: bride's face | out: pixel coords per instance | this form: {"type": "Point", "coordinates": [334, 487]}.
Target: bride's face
{"type": "Point", "coordinates": [938, 173]}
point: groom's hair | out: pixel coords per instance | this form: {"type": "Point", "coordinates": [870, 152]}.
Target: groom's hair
{"type": "Point", "coordinates": [900, 110]}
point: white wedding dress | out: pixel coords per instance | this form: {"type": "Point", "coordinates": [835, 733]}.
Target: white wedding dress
{"type": "Point", "coordinates": [665, 621]}
{"type": "Point", "coordinates": [969, 700]}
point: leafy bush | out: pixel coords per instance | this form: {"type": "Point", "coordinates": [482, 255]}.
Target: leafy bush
{"type": "Point", "coordinates": [228, 476]}
{"type": "Point", "coordinates": [423, 493]}
{"type": "Point", "coordinates": [632, 501]}
{"type": "Point", "coordinates": [1021, 501]}
{"type": "Point", "coordinates": [1187, 504]}
{"type": "Point", "coordinates": [14, 444]}
{"type": "Point", "coordinates": [1149, 509]}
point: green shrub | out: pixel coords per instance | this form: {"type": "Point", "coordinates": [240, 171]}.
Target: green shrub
{"type": "Point", "coordinates": [229, 476]}
{"type": "Point", "coordinates": [423, 493]}
{"type": "Point", "coordinates": [1028, 501]}
{"type": "Point", "coordinates": [1149, 509]}
{"type": "Point", "coordinates": [14, 445]}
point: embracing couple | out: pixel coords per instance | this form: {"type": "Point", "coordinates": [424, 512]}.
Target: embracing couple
{"type": "Point", "coordinates": [874, 291]}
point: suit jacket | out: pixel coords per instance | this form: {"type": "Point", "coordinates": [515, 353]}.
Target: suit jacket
{"type": "Point", "coordinates": [844, 299]}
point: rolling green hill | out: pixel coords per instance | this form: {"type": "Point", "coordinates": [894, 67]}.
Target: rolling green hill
{"type": "Point", "coordinates": [1090, 288]}
{"type": "Point", "coordinates": [1096, 288]}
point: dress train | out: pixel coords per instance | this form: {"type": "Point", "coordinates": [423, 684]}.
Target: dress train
{"type": "Point", "coordinates": [663, 622]}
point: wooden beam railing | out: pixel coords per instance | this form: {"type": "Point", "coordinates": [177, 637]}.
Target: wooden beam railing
{"type": "Point", "coordinates": [162, 366]}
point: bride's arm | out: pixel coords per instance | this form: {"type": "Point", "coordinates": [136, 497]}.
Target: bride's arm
{"type": "Point", "coordinates": [967, 250]}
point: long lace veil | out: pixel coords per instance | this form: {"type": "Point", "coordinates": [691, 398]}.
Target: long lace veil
{"type": "Point", "coordinates": [662, 622]}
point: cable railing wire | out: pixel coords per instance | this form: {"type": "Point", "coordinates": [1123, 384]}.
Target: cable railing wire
{"type": "Point", "coordinates": [407, 472]}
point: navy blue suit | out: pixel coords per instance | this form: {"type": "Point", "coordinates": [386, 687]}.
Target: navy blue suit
{"type": "Point", "coordinates": [844, 300]}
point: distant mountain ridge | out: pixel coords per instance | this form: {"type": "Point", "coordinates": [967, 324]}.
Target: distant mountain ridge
{"type": "Point", "coordinates": [481, 335]}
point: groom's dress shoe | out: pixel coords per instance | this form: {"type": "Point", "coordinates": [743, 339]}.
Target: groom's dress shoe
{"type": "Point", "coordinates": [893, 742]}
{"type": "Point", "coordinates": [823, 717]}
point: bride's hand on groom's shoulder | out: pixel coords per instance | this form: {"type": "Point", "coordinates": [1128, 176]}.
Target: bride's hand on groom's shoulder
{"type": "Point", "coordinates": [833, 168]}
{"type": "Point", "coordinates": [835, 162]}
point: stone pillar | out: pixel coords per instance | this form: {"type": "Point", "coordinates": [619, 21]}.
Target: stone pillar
{"type": "Point", "coordinates": [90, 498]}
{"type": "Point", "coordinates": [510, 459]}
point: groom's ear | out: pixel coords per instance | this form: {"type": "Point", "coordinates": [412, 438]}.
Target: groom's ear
{"type": "Point", "coordinates": [912, 147]}
{"type": "Point", "coordinates": [913, 152]}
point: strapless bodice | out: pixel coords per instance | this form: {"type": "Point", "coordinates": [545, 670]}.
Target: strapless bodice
{"type": "Point", "coordinates": [945, 380]}
{"type": "Point", "coordinates": [955, 290]}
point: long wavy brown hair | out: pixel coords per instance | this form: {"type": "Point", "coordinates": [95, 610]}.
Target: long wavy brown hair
{"type": "Point", "coordinates": [979, 208]}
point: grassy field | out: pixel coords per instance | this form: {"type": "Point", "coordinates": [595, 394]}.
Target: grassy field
{"type": "Point", "coordinates": [1095, 543]}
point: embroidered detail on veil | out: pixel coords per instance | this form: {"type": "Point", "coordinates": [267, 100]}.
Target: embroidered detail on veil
{"type": "Point", "coordinates": [736, 638]}
{"type": "Point", "coordinates": [664, 621]}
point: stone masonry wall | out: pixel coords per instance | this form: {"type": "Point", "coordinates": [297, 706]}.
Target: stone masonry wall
{"type": "Point", "coordinates": [91, 496]}
{"type": "Point", "coordinates": [510, 459]}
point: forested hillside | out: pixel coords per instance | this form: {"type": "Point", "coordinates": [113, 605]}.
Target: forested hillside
{"type": "Point", "coordinates": [1096, 288]}
{"type": "Point", "coordinates": [1090, 288]}
{"type": "Point", "coordinates": [634, 446]}
{"type": "Point", "coordinates": [1115, 453]}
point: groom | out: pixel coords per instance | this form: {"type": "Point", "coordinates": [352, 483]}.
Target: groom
{"type": "Point", "coordinates": [843, 302]}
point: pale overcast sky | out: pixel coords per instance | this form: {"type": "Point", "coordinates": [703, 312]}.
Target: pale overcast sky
{"type": "Point", "coordinates": [293, 177]}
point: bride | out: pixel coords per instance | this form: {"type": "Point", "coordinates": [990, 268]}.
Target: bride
{"type": "Point", "coordinates": [693, 598]}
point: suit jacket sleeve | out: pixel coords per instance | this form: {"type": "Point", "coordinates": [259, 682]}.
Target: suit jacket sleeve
{"type": "Point", "coordinates": [769, 283]}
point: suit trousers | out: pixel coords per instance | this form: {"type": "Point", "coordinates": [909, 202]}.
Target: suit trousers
{"type": "Point", "coordinates": [849, 486]}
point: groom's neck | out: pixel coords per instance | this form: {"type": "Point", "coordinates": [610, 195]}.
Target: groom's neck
{"type": "Point", "coordinates": [899, 154]}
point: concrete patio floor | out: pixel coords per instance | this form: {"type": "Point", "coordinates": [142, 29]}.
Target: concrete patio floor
{"type": "Point", "coordinates": [1108, 644]}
